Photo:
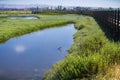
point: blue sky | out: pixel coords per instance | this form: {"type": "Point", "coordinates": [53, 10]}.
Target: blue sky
{"type": "Point", "coordinates": [88, 3]}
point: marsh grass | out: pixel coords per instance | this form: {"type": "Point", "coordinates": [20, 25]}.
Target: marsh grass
{"type": "Point", "coordinates": [10, 28]}
{"type": "Point", "coordinates": [52, 13]}
{"type": "Point", "coordinates": [90, 55]}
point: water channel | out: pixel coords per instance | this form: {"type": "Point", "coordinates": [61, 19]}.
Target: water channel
{"type": "Point", "coordinates": [23, 17]}
{"type": "Point", "coordinates": [29, 56]}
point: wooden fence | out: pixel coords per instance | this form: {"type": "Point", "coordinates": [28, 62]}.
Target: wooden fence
{"type": "Point", "coordinates": [111, 20]}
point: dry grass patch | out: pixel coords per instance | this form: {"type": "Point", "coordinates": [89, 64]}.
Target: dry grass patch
{"type": "Point", "coordinates": [113, 73]}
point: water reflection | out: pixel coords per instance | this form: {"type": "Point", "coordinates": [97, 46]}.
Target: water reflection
{"type": "Point", "coordinates": [38, 52]}
{"type": "Point", "coordinates": [23, 17]}
{"type": "Point", "coordinates": [19, 48]}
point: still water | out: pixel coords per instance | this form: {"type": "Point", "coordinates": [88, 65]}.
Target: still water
{"type": "Point", "coordinates": [23, 17]}
{"type": "Point", "coordinates": [29, 56]}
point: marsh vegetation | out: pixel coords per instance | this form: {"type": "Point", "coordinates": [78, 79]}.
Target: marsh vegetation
{"type": "Point", "coordinates": [91, 55]}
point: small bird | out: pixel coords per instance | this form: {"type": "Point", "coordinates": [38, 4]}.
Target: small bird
{"type": "Point", "coordinates": [59, 48]}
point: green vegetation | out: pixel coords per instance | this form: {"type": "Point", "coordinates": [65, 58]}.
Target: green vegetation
{"type": "Point", "coordinates": [90, 55]}
{"type": "Point", "coordinates": [10, 28]}
{"type": "Point", "coordinates": [52, 13]}
{"type": "Point", "coordinates": [89, 58]}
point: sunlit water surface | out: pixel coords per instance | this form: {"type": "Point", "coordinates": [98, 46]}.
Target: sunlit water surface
{"type": "Point", "coordinates": [29, 56]}
{"type": "Point", "coordinates": [23, 17]}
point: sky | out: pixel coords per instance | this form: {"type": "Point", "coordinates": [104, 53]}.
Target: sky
{"type": "Point", "coordinates": [84, 3]}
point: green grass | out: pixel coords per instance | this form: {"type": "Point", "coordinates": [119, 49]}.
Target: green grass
{"type": "Point", "coordinates": [11, 28]}
{"type": "Point", "coordinates": [90, 55]}
{"type": "Point", "coordinates": [52, 13]}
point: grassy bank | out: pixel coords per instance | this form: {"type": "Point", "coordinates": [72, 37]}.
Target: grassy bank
{"type": "Point", "coordinates": [11, 28]}
{"type": "Point", "coordinates": [90, 57]}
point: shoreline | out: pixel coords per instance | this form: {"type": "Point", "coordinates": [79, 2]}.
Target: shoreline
{"type": "Point", "coordinates": [90, 56]}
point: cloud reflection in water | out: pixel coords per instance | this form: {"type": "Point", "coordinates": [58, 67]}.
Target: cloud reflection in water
{"type": "Point", "coordinates": [19, 48]}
